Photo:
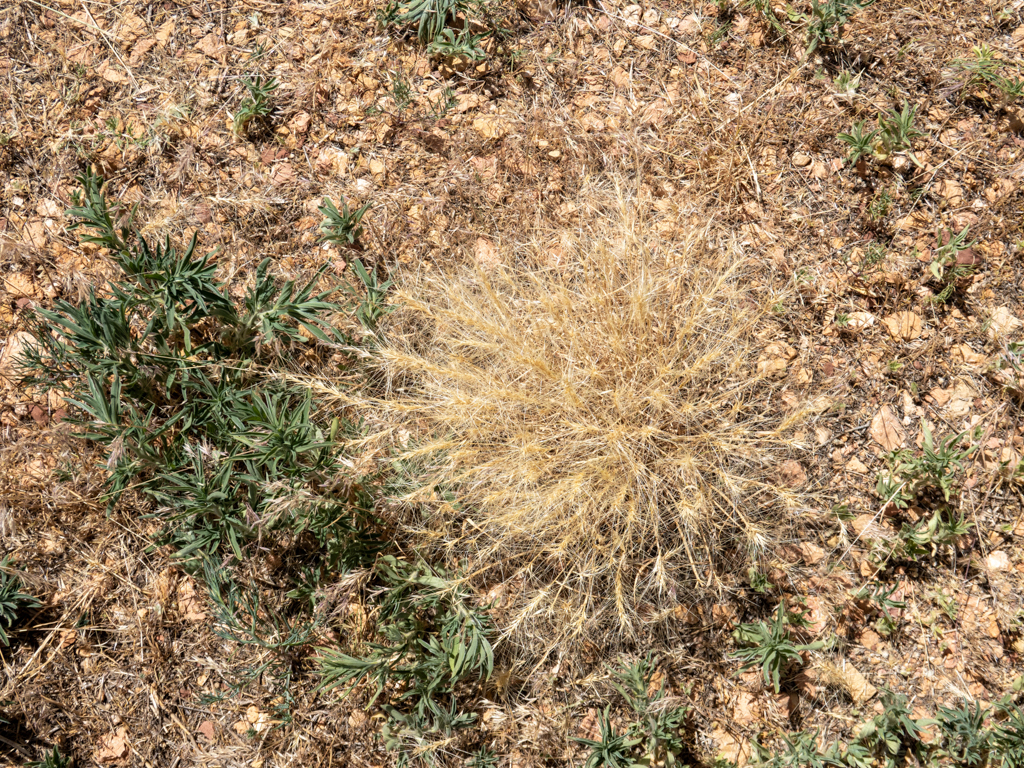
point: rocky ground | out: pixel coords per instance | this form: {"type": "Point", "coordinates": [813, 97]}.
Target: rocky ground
{"type": "Point", "coordinates": [719, 122]}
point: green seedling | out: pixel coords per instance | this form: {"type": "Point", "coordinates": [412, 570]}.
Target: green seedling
{"type": "Point", "coordinates": [464, 44]}
{"type": "Point", "coordinates": [897, 132]}
{"type": "Point", "coordinates": [12, 600]}
{"type": "Point", "coordinates": [342, 227]}
{"type": "Point", "coordinates": [610, 748]}
{"type": "Point", "coordinates": [827, 19]}
{"type": "Point", "coordinates": [938, 467]}
{"type": "Point", "coordinates": [965, 740]}
{"type": "Point", "coordinates": [759, 582]}
{"type": "Point", "coordinates": [880, 205]}
{"type": "Point", "coordinates": [659, 723]}
{"type": "Point", "coordinates": [861, 144]}
{"type": "Point", "coordinates": [881, 598]}
{"type": "Point", "coordinates": [895, 135]}
{"type": "Point", "coordinates": [846, 84]}
{"type": "Point", "coordinates": [764, 9]}
{"type": "Point", "coordinates": [256, 105]}
{"type": "Point", "coordinates": [444, 27]}
{"type": "Point", "coordinates": [770, 647]}
{"type": "Point", "coordinates": [162, 369]}
{"type": "Point", "coordinates": [800, 750]}
{"type": "Point", "coordinates": [53, 759]}
{"type": "Point", "coordinates": [1007, 739]}
{"type": "Point", "coordinates": [986, 69]}
{"type": "Point", "coordinates": [894, 734]}
{"type": "Point", "coordinates": [945, 267]}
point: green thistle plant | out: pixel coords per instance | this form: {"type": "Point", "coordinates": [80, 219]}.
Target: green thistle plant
{"type": "Point", "coordinates": [434, 640]}
{"type": "Point", "coordinates": [163, 370]}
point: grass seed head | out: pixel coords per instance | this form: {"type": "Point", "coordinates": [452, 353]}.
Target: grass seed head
{"type": "Point", "coordinates": [602, 425]}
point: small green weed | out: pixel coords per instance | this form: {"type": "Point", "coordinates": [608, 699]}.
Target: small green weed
{"type": "Point", "coordinates": [759, 582]}
{"type": "Point", "coordinates": [986, 69]}
{"type": "Point", "coordinates": [880, 205]}
{"type": "Point", "coordinates": [943, 529]}
{"type": "Point", "coordinates": [938, 467]}
{"type": "Point", "coordinates": [861, 144]}
{"type": "Point", "coordinates": [846, 84]}
{"type": "Point", "coordinates": [894, 734]}
{"type": "Point", "coordinates": [342, 227]}
{"type": "Point", "coordinates": [445, 27]}
{"type": "Point", "coordinates": [483, 758]}
{"type": "Point", "coordinates": [944, 266]}
{"type": "Point", "coordinates": [897, 131]}
{"type": "Point", "coordinates": [53, 759]}
{"type": "Point", "coordinates": [434, 641]}
{"type": "Point", "coordinates": [823, 25]}
{"type": "Point", "coordinates": [800, 750]}
{"type": "Point", "coordinates": [445, 102]}
{"type": "Point", "coordinates": [895, 135]}
{"type": "Point", "coordinates": [881, 598]}
{"type": "Point", "coordinates": [282, 634]}
{"type": "Point", "coordinates": [610, 748]}
{"type": "Point", "coordinates": [770, 647]}
{"type": "Point", "coordinates": [964, 738]}
{"type": "Point", "coordinates": [894, 738]}
{"type": "Point", "coordinates": [659, 723]}
{"type": "Point", "coordinates": [401, 92]}
{"type": "Point", "coordinates": [256, 105]}
{"type": "Point", "coordinates": [165, 370]}
{"type": "Point", "coordinates": [720, 33]}
{"type": "Point", "coordinates": [461, 44]}
{"type": "Point", "coordinates": [1007, 740]}
{"type": "Point", "coordinates": [764, 9]}
{"type": "Point", "coordinates": [827, 19]}
{"type": "Point", "coordinates": [1010, 366]}
{"type": "Point", "coordinates": [12, 599]}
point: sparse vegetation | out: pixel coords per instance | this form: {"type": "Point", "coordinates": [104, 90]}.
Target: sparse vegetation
{"type": "Point", "coordinates": [608, 351]}
{"type": "Point", "coordinates": [434, 641]}
{"type": "Point", "coordinates": [984, 69]}
{"type": "Point", "coordinates": [846, 84]}
{"type": "Point", "coordinates": [771, 648]}
{"type": "Point", "coordinates": [967, 736]}
{"type": "Point", "coordinates": [964, 738]}
{"type": "Point", "coordinates": [12, 600]}
{"type": "Point", "coordinates": [895, 135]}
{"type": "Point", "coordinates": [826, 20]}
{"type": "Point", "coordinates": [342, 227]}
{"type": "Point", "coordinates": [894, 734]}
{"type": "Point", "coordinates": [53, 759]}
{"type": "Point", "coordinates": [610, 749]}
{"type": "Point", "coordinates": [937, 467]}
{"type": "Point", "coordinates": [658, 730]}
{"type": "Point", "coordinates": [161, 366]}
{"type": "Point", "coordinates": [256, 105]}
{"type": "Point", "coordinates": [449, 28]}
{"type": "Point", "coordinates": [946, 267]}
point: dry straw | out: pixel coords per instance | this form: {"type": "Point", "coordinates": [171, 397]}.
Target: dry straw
{"type": "Point", "coordinates": [601, 425]}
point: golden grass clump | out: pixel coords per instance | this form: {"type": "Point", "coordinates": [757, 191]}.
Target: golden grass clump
{"type": "Point", "coordinates": [601, 424]}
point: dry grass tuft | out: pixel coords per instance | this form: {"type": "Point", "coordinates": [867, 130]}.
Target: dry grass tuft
{"type": "Point", "coordinates": [601, 424]}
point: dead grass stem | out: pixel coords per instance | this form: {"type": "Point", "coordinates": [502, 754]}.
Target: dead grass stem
{"type": "Point", "coordinates": [600, 422]}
